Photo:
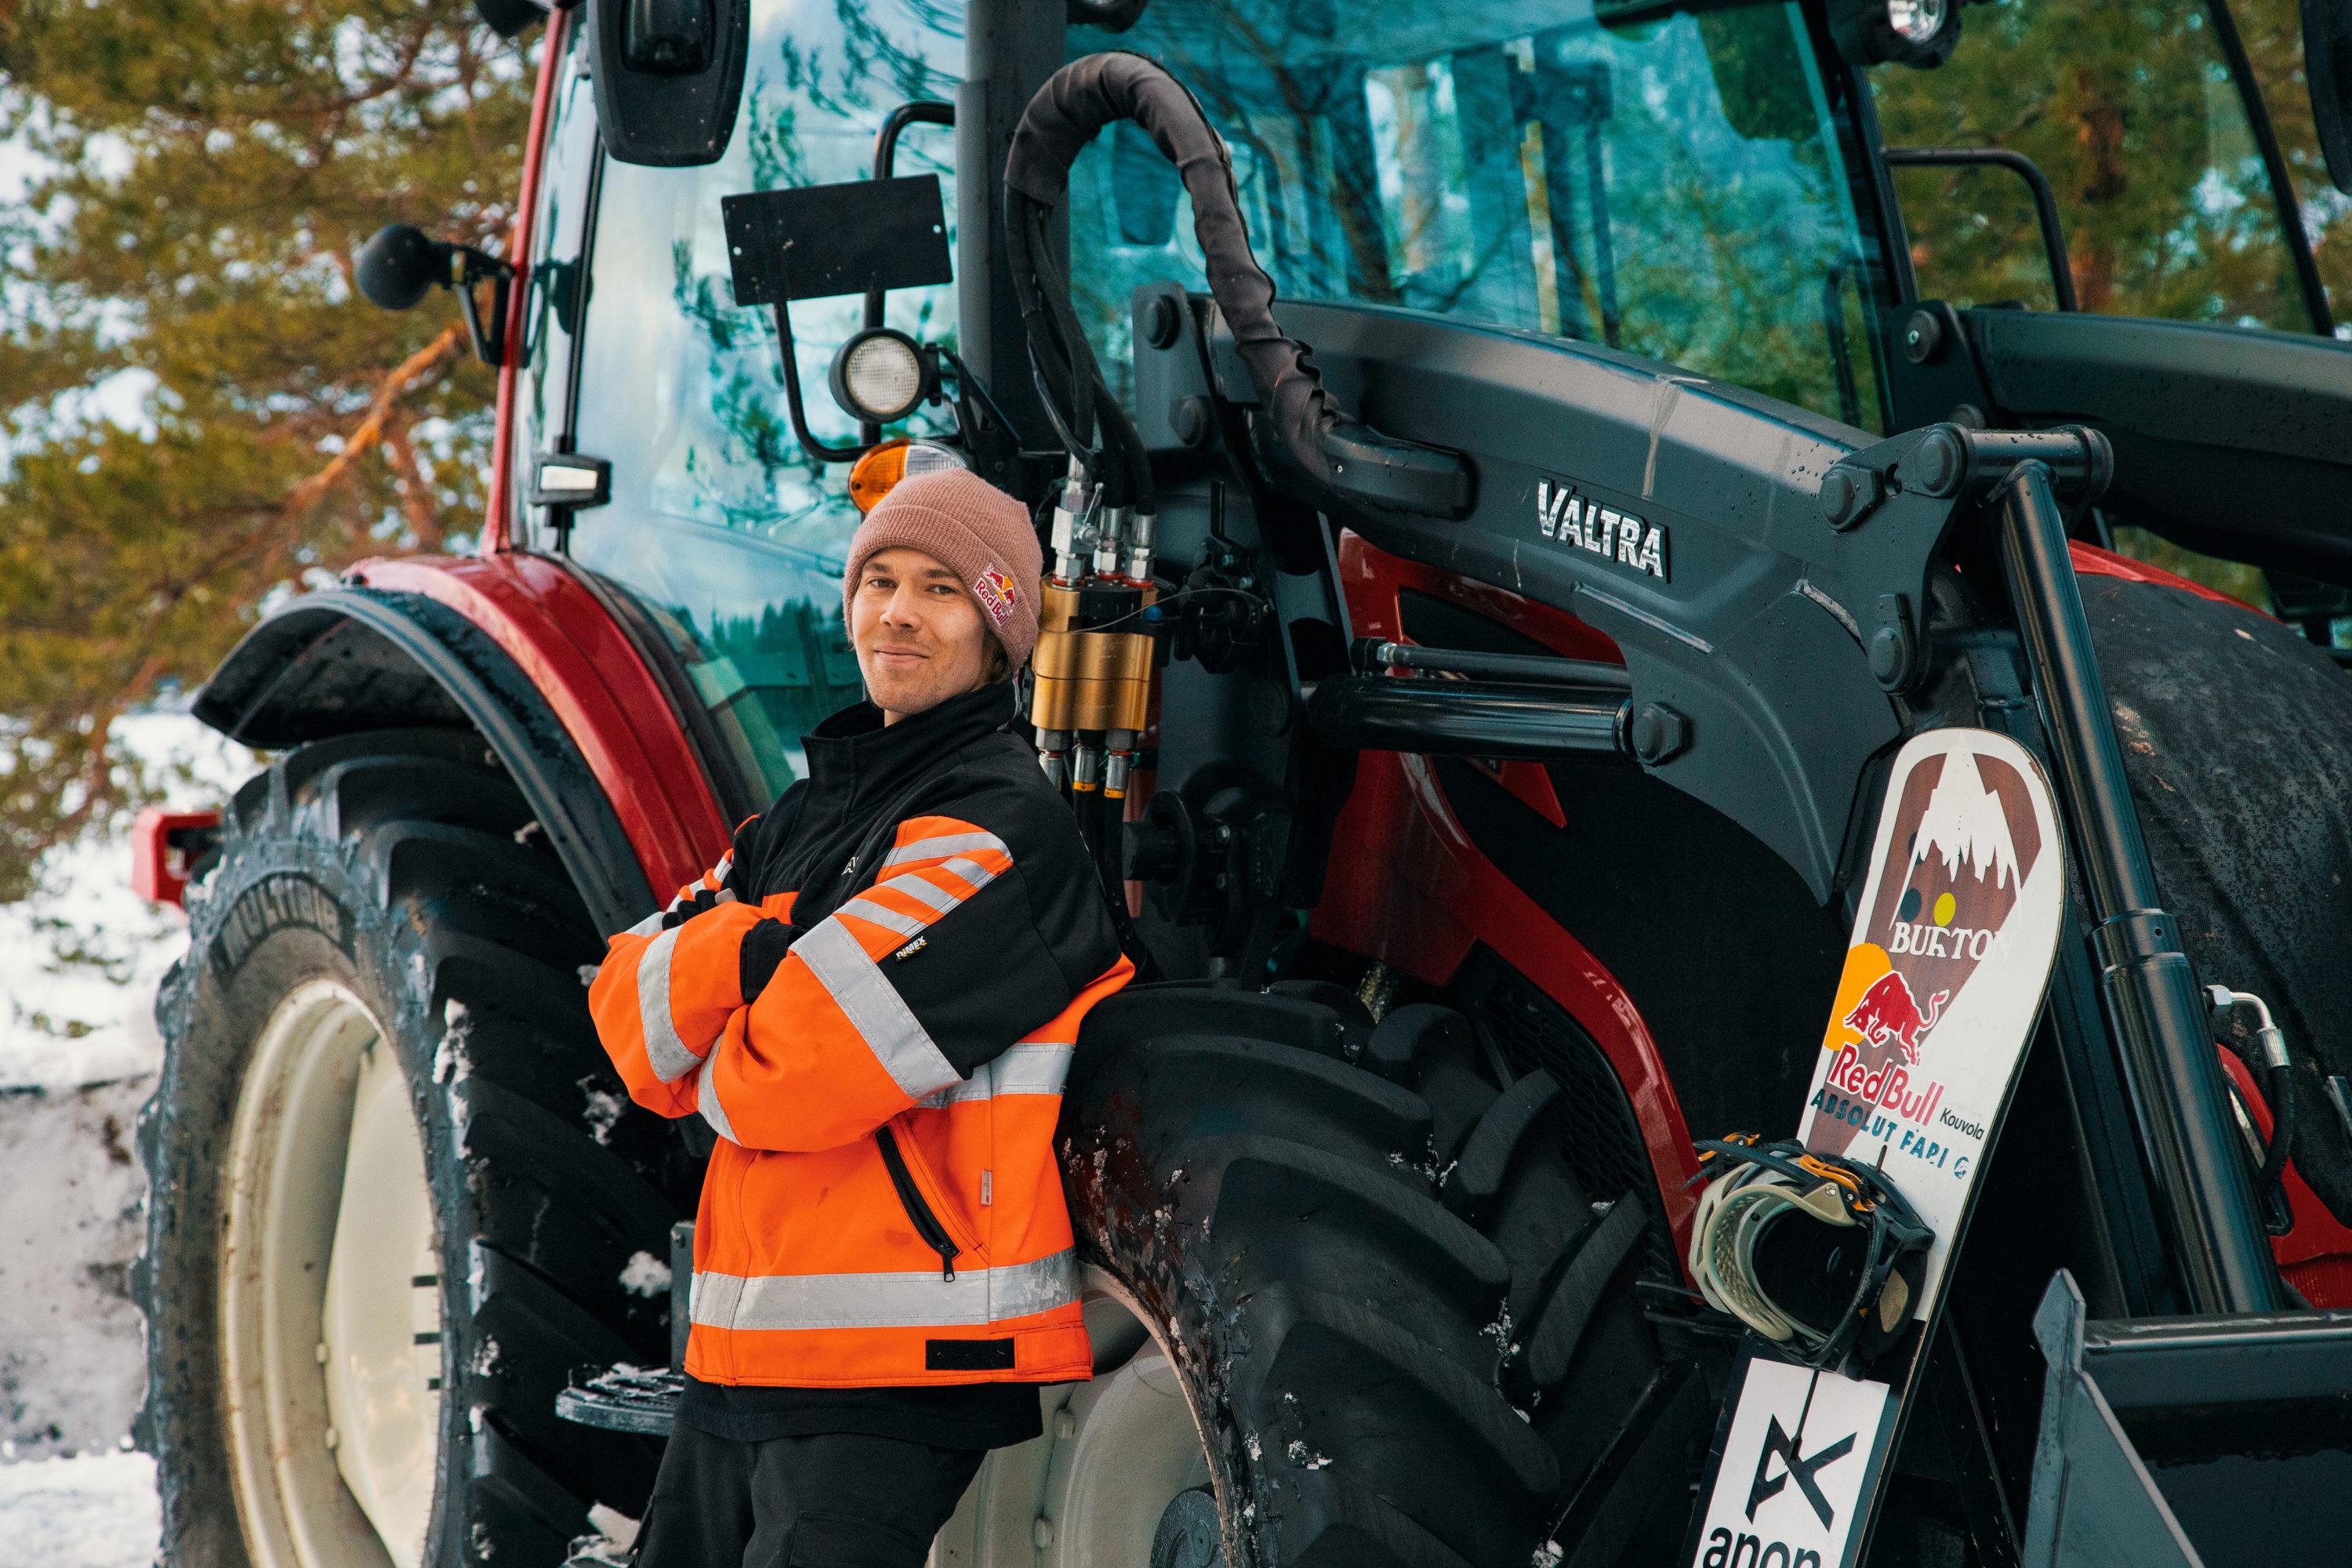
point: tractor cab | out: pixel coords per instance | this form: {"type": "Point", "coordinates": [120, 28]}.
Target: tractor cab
{"type": "Point", "coordinates": [1718, 188]}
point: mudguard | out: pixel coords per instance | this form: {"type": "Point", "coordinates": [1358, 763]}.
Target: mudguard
{"type": "Point", "coordinates": [555, 689]}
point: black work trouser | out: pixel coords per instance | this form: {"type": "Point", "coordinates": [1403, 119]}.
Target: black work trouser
{"type": "Point", "coordinates": [841, 1500]}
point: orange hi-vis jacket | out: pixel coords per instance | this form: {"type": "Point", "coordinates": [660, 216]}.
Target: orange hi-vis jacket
{"type": "Point", "coordinates": [873, 1000]}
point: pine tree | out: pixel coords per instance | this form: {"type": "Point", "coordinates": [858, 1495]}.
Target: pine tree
{"type": "Point", "coordinates": [207, 169]}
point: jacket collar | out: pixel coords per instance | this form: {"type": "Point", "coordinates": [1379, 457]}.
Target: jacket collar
{"type": "Point", "coordinates": [853, 757]}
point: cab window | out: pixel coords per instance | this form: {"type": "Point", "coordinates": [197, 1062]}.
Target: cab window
{"type": "Point", "coordinates": [1677, 188]}
{"type": "Point", "coordinates": [719, 524]}
{"type": "Point", "coordinates": [2131, 112]}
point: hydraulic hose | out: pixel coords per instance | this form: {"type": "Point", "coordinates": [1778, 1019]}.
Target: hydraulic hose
{"type": "Point", "coordinates": [1335, 450]}
{"type": "Point", "coordinates": [1070, 381]}
{"type": "Point", "coordinates": [2280, 1084]}
{"type": "Point", "coordinates": [2265, 1057]}
{"type": "Point", "coordinates": [1102, 824]}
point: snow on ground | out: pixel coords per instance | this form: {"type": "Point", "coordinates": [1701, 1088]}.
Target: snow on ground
{"type": "Point", "coordinates": [93, 1512]}
{"type": "Point", "coordinates": [70, 1192]}
{"type": "Point", "coordinates": [79, 964]}
{"type": "Point", "coordinates": [81, 958]}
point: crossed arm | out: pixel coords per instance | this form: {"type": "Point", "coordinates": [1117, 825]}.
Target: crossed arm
{"type": "Point", "coordinates": [788, 1038]}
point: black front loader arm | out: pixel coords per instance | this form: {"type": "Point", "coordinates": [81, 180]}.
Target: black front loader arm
{"type": "Point", "coordinates": [1781, 627]}
{"type": "Point", "coordinates": [1750, 630]}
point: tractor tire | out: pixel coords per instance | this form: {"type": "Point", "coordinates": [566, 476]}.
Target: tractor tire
{"type": "Point", "coordinates": [394, 1203]}
{"type": "Point", "coordinates": [2237, 735]}
{"type": "Point", "coordinates": [1406, 1334]}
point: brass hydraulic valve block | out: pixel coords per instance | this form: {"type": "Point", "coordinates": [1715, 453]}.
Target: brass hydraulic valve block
{"type": "Point", "coordinates": [1088, 679]}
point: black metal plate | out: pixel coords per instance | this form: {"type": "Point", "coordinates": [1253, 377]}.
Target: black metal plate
{"type": "Point", "coordinates": [624, 1399]}
{"type": "Point", "coordinates": [820, 240]}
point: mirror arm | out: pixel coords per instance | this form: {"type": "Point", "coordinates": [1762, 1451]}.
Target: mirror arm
{"type": "Point", "coordinates": [489, 340]}
{"type": "Point", "coordinates": [922, 111]}
{"type": "Point", "coordinates": [485, 349]}
{"type": "Point", "coordinates": [809, 443]}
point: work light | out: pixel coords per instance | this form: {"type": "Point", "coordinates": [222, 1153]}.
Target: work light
{"type": "Point", "coordinates": [881, 376]}
{"type": "Point", "coordinates": [1915, 22]}
{"type": "Point", "coordinates": [1898, 32]}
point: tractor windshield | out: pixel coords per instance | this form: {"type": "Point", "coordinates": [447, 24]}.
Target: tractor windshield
{"type": "Point", "coordinates": [1675, 188]}
{"type": "Point", "coordinates": [720, 526]}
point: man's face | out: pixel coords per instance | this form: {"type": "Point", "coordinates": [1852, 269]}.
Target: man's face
{"type": "Point", "coordinates": [919, 636]}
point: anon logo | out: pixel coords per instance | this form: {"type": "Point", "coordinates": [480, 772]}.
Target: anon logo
{"type": "Point", "coordinates": [1605, 531]}
{"type": "Point", "coordinates": [1794, 1466]}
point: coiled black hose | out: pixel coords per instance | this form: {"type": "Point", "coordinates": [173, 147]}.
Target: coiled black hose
{"type": "Point", "coordinates": [1336, 450]}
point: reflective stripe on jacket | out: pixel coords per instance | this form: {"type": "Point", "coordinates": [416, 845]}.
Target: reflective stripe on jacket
{"type": "Point", "coordinates": [919, 934]}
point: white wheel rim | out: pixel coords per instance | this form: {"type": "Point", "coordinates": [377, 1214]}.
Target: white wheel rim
{"type": "Point", "coordinates": [1116, 1452]}
{"type": "Point", "coordinates": [329, 1313]}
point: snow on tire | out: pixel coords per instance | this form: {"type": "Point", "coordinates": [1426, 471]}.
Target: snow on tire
{"type": "Point", "coordinates": [390, 1212]}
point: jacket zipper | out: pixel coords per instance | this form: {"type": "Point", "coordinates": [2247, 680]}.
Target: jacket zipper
{"type": "Point", "coordinates": [910, 1197]}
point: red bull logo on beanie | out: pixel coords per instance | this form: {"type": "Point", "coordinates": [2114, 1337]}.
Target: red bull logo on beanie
{"type": "Point", "coordinates": [996, 594]}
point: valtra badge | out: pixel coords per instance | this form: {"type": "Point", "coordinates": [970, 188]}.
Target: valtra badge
{"type": "Point", "coordinates": [1952, 944]}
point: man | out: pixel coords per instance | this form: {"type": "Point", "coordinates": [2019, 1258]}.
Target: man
{"type": "Point", "coordinates": [871, 999]}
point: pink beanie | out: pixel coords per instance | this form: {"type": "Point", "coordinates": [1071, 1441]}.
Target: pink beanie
{"type": "Point", "coordinates": [975, 529]}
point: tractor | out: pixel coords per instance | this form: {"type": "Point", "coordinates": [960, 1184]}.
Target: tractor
{"type": "Point", "coordinates": [1514, 472]}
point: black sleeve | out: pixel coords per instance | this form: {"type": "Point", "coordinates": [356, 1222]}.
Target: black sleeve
{"type": "Point", "coordinates": [765, 947]}
{"type": "Point", "coordinates": [1009, 958]}
{"type": "Point", "coordinates": [754, 841]}
{"type": "Point", "coordinates": [758, 843]}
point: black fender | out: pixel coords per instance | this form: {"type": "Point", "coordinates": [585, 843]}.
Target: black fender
{"type": "Point", "coordinates": [349, 659]}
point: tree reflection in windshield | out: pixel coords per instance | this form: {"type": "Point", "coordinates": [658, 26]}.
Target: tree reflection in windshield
{"type": "Point", "coordinates": [1673, 188]}
{"type": "Point", "coordinates": [719, 522]}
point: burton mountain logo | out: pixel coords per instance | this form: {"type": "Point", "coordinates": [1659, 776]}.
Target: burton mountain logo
{"type": "Point", "coordinates": [1964, 823]}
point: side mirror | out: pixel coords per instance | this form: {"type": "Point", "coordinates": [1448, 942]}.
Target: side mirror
{"type": "Point", "coordinates": [2327, 71]}
{"type": "Point", "coordinates": [400, 264]}
{"type": "Point", "coordinates": [510, 18]}
{"type": "Point", "coordinates": [669, 75]}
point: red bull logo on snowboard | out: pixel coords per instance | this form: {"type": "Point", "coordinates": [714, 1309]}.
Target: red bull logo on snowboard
{"type": "Point", "coordinates": [1889, 1088]}
{"type": "Point", "coordinates": [1888, 1011]}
